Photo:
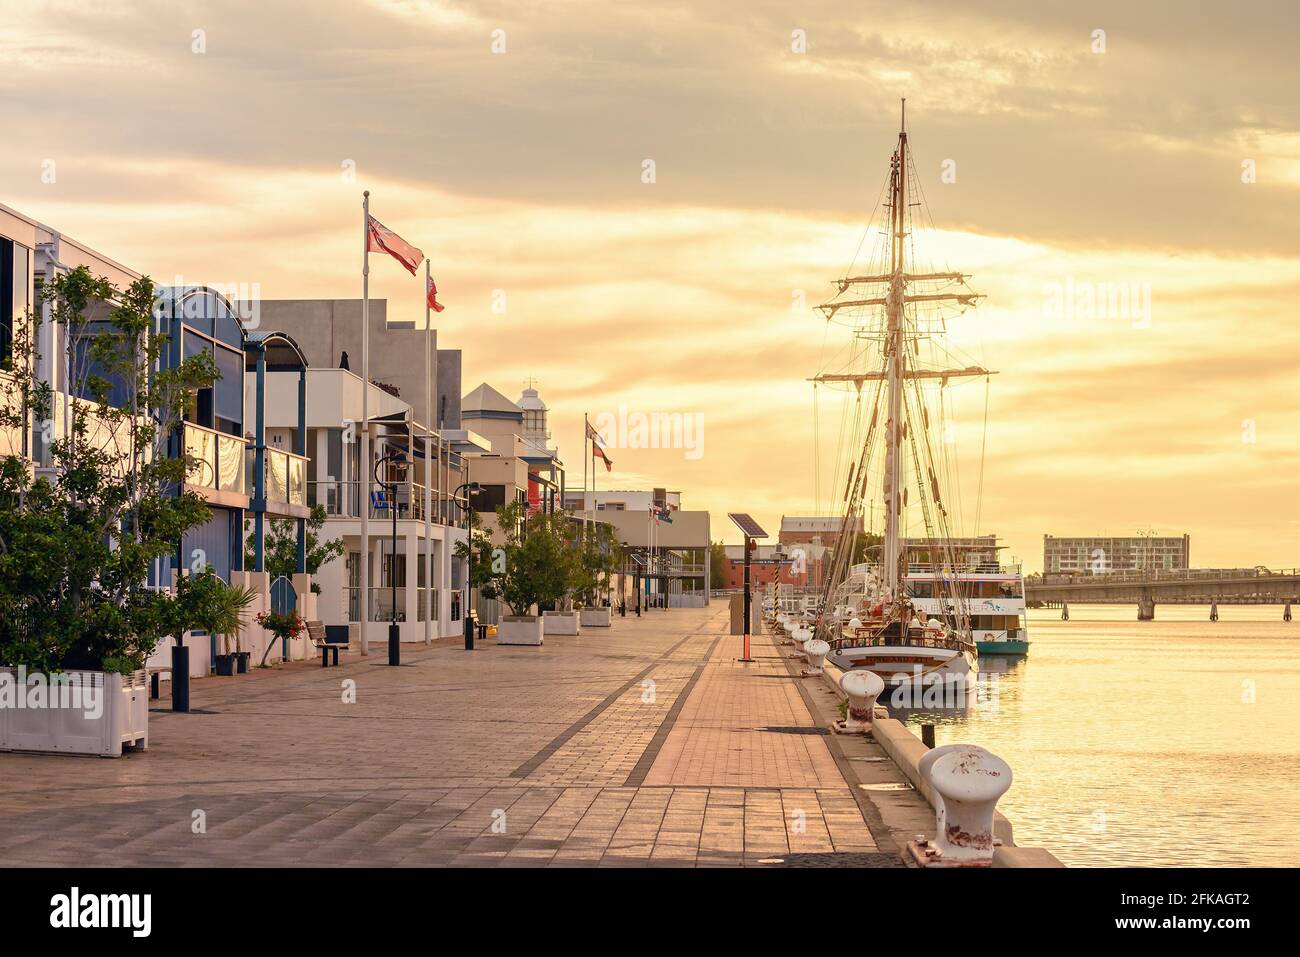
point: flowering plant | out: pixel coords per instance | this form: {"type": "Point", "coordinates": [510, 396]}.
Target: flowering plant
{"type": "Point", "coordinates": [287, 625]}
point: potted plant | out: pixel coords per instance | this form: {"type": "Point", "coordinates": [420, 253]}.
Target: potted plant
{"type": "Point", "coordinates": [220, 611]}
{"type": "Point", "coordinates": [80, 539]}
{"type": "Point", "coordinates": [598, 559]}
{"type": "Point", "coordinates": [533, 569]}
{"type": "Point", "coordinates": [286, 626]}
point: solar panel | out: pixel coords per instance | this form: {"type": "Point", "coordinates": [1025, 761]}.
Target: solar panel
{"type": "Point", "coordinates": [747, 524]}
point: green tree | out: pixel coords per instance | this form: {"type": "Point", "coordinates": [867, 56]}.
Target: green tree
{"type": "Point", "coordinates": [535, 563]}
{"type": "Point", "coordinates": [76, 543]}
{"type": "Point", "coordinates": [718, 564]}
{"type": "Point", "coordinates": [598, 559]}
{"type": "Point", "coordinates": [485, 555]}
{"type": "Point", "coordinates": [280, 546]}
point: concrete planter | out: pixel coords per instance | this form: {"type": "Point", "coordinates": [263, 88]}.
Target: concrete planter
{"type": "Point", "coordinates": [596, 617]}
{"type": "Point", "coordinates": [520, 630]}
{"type": "Point", "coordinates": [97, 713]}
{"type": "Point", "coordinates": [560, 622]}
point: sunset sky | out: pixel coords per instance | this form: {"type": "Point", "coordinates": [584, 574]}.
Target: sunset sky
{"type": "Point", "coordinates": [522, 171]}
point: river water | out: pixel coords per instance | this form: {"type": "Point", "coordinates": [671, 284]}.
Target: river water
{"type": "Point", "coordinates": [1173, 742]}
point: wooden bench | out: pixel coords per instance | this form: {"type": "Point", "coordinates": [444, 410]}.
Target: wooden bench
{"type": "Point", "coordinates": [328, 638]}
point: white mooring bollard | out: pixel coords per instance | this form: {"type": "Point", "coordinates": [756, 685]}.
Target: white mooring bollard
{"type": "Point", "coordinates": [862, 688]}
{"type": "Point", "coordinates": [816, 650]}
{"type": "Point", "coordinates": [967, 782]}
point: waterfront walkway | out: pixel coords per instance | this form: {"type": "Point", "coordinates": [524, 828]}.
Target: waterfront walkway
{"type": "Point", "coordinates": [643, 744]}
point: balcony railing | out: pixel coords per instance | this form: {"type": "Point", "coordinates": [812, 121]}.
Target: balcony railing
{"type": "Point", "coordinates": [343, 500]}
{"type": "Point", "coordinates": [381, 603]}
{"type": "Point", "coordinates": [218, 459]}
{"type": "Point", "coordinates": [286, 476]}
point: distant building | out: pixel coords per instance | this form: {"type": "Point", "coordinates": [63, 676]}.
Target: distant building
{"type": "Point", "coordinates": [971, 549]}
{"type": "Point", "coordinates": [813, 529]}
{"type": "Point", "coordinates": [1103, 555]}
{"type": "Point", "coordinates": [802, 565]}
{"type": "Point", "coordinates": [667, 560]}
{"type": "Point", "coordinates": [521, 466]}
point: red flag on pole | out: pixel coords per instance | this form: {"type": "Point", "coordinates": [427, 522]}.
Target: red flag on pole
{"type": "Point", "coordinates": [596, 449]}
{"type": "Point", "coordinates": [431, 294]}
{"type": "Point", "coordinates": [384, 240]}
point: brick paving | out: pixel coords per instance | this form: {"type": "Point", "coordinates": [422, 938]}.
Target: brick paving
{"type": "Point", "coordinates": [646, 744]}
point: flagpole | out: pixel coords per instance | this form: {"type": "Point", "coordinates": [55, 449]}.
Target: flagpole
{"type": "Point", "coordinates": [586, 437]}
{"type": "Point", "coordinates": [428, 474]}
{"type": "Point", "coordinates": [363, 603]}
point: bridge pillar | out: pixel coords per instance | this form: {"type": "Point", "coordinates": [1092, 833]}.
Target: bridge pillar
{"type": "Point", "coordinates": [1146, 608]}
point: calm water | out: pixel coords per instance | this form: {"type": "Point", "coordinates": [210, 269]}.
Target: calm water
{"type": "Point", "coordinates": [1174, 742]}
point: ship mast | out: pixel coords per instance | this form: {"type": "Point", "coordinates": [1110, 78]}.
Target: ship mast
{"type": "Point", "coordinates": [895, 357]}
{"type": "Point", "coordinates": [894, 297]}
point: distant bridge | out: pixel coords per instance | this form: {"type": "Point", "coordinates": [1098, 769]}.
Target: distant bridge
{"type": "Point", "coordinates": [1228, 586]}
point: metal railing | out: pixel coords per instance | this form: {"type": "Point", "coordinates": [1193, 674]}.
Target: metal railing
{"type": "Point", "coordinates": [218, 459]}
{"type": "Point", "coordinates": [961, 568]}
{"type": "Point", "coordinates": [343, 500]}
{"type": "Point", "coordinates": [1162, 575]}
{"type": "Point", "coordinates": [381, 602]}
{"type": "Point", "coordinates": [286, 476]}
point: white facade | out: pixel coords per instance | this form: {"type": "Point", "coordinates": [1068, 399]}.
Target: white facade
{"type": "Point", "coordinates": [337, 482]}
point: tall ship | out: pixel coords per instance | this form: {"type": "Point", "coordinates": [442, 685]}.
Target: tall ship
{"type": "Point", "coordinates": [906, 599]}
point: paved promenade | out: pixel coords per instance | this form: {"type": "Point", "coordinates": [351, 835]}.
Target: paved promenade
{"type": "Point", "coordinates": [644, 744]}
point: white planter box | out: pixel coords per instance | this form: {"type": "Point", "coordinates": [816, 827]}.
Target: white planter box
{"type": "Point", "coordinates": [122, 719]}
{"type": "Point", "coordinates": [596, 617]}
{"type": "Point", "coordinates": [520, 630]}
{"type": "Point", "coordinates": [560, 622]}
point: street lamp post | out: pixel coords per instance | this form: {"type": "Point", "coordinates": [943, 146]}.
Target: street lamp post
{"type": "Point", "coordinates": [471, 488]}
{"type": "Point", "coordinates": [394, 630]}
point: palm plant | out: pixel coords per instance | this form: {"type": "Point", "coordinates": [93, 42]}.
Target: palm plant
{"type": "Point", "coordinates": [218, 608]}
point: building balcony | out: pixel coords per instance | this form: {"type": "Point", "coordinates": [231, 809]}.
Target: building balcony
{"type": "Point", "coordinates": [218, 469]}
{"type": "Point", "coordinates": [286, 482]}
{"type": "Point", "coordinates": [343, 500]}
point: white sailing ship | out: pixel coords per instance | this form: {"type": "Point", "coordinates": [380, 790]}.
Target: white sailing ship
{"type": "Point", "coordinates": [904, 619]}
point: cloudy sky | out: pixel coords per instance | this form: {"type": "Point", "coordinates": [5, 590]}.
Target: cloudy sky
{"type": "Point", "coordinates": [231, 141]}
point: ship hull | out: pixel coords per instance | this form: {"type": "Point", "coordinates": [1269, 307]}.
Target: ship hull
{"type": "Point", "coordinates": [902, 664]}
{"type": "Point", "coordinates": [1004, 649]}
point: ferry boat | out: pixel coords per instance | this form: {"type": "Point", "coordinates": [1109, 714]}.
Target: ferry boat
{"type": "Point", "coordinates": [994, 599]}
{"type": "Point", "coordinates": [903, 619]}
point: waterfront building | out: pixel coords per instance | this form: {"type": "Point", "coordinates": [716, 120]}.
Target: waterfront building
{"type": "Point", "coordinates": [406, 458]}
{"type": "Point", "coordinates": [667, 560]}
{"type": "Point", "coordinates": [814, 529]}
{"type": "Point", "coordinates": [966, 550]}
{"type": "Point", "coordinates": [801, 565]}
{"type": "Point", "coordinates": [1100, 555]}
{"type": "Point", "coordinates": [521, 464]}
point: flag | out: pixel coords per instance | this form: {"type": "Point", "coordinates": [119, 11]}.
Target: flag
{"type": "Point", "coordinates": [665, 515]}
{"type": "Point", "coordinates": [384, 240]}
{"type": "Point", "coordinates": [431, 295]}
{"type": "Point", "coordinates": [596, 447]}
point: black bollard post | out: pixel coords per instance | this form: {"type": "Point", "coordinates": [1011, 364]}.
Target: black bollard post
{"type": "Point", "coordinates": [394, 644]}
{"type": "Point", "coordinates": [180, 678]}
{"type": "Point", "coordinates": [927, 735]}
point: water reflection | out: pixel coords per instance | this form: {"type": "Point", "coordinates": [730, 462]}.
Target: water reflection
{"type": "Point", "coordinates": [1171, 742]}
